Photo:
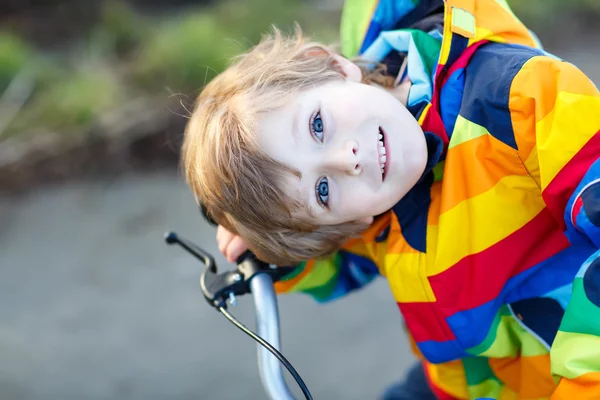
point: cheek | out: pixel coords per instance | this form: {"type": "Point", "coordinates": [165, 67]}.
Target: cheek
{"type": "Point", "coordinates": [360, 198]}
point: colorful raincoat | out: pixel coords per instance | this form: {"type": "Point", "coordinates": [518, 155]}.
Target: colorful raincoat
{"type": "Point", "coordinates": [493, 256]}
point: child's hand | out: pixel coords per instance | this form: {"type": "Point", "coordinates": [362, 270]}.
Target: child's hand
{"type": "Point", "coordinates": [231, 245]}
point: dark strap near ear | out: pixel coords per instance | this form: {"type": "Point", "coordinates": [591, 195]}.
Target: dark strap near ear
{"type": "Point", "coordinates": [207, 217]}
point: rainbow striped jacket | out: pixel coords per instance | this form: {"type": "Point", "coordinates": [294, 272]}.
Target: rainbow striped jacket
{"type": "Point", "coordinates": [493, 256]}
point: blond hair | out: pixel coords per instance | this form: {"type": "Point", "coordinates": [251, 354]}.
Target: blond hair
{"type": "Point", "coordinates": [238, 183]}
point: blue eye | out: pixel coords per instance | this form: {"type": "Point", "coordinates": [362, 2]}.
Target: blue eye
{"type": "Point", "coordinates": [316, 126]}
{"type": "Point", "coordinates": [322, 191]}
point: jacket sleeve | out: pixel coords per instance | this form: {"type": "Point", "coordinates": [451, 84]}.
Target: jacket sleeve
{"type": "Point", "coordinates": [557, 109]}
{"type": "Point", "coordinates": [329, 278]}
{"type": "Point", "coordinates": [575, 353]}
{"type": "Point", "coordinates": [344, 271]}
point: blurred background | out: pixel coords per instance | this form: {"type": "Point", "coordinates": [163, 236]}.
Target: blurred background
{"type": "Point", "coordinates": [93, 305]}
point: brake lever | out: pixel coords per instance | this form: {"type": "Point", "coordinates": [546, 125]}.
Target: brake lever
{"type": "Point", "coordinates": [216, 287]}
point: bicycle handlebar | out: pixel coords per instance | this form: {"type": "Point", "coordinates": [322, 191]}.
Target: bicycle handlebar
{"type": "Point", "coordinates": [256, 277]}
{"type": "Point", "coordinates": [267, 323]}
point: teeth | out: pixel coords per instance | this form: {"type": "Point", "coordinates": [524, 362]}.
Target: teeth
{"type": "Point", "coordinates": [382, 156]}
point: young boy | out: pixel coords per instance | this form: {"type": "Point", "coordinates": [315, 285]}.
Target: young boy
{"type": "Point", "coordinates": [466, 173]}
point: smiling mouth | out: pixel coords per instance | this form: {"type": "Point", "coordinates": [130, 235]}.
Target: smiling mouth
{"type": "Point", "coordinates": [383, 156]}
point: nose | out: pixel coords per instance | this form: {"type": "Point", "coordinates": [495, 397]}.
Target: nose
{"type": "Point", "coordinates": [345, 158]}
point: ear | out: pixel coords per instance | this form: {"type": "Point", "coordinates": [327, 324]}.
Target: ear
{"type": "Point", "coordinates": [350, 70]}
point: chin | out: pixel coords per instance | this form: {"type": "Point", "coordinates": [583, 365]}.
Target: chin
{"type": "Point", "coordinates": [393, 198]}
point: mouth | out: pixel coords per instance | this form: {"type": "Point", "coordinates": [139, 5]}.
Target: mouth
{"type": "Point", "coordinates": [383, 154]}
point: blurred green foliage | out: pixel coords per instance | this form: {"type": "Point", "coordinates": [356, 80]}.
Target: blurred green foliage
{"type": "Point", "coordinates": [15, 56]}
{"type": "Point", "coordinates": [71, 103]}
{"type": "Point", "coordinates": [187, 51]}
{"type": "Point", "coordinates": [181, 54]}
{"type": "Point", "coordinates": [120, 30]}
{"type": "Point", "coordinates": [540, 12]}
{"type": "Point", "coordinates": [127, 54]}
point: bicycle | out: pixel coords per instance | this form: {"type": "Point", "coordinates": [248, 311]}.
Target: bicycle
{"type": "Point", "coordinates": [255, 277]}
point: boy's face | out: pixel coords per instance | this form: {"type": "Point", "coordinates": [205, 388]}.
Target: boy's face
{"type": "Point", "coordinates": [331, 135]}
